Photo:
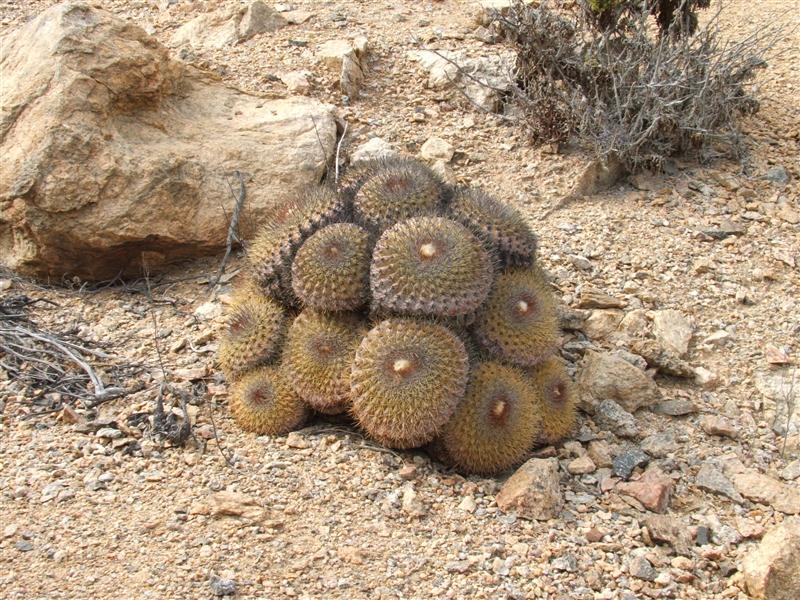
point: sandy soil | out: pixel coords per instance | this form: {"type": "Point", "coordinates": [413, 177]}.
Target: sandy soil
{"type": "Point", "coordinates": [85, 516]}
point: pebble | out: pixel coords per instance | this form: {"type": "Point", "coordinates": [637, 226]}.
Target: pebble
{"type": "Point", "coordinates": [611, 416]}
{"type": "Point", "coordinates": [222, 587]}
{"type": "Point", "coordinates": [711, 479]}
{"type": "Point", "coordinates": [435, 148]}
{"type": "Point", "coordinates": [567, 563]}
{"type": "Point", "coordinates": [675, 408]}
{"type": "Point", "coordinates": [297, 441]}
{"type": "Point", "coordinates": [23, 546]}
{"type": "Point", "coordinates": [652, 490]}
{"type": "Point", "coordinates": [534, 491]}
{"type": "Point", "coordinates": [673, 331]}
{"type": "Point", "coordinates": [625, 463]}
{"type": "Point", "coordinates": [641, 568]}
{"type": "Point", "coordinates": [660, 444]}
{"type": "Point", "coordinates": [109, 433]}
{"type": "Point", "coordinates": [411, 504]}
{"type": "Point", "coordinates": [721, 426]}
{"type": "Point", "coordinates": [581, 466]}
{"type": "Point", "coordinates": [467, 504]}
{"type": "Point", "coordinates": [408, 472]}
{"type": "Point", "coordinates": [604, 376]}
{"type": "Point", "coordinates": [600, 453]}
{"type": "Point", "coordinates": [791, 471]}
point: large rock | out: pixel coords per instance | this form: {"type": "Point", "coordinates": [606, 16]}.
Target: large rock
{"type": "Point", "coordinates": [113, 153]}
{"type": "Point", "coordinates": [772, 570]}
{"type": "Point", "coordinates": [608, 377]}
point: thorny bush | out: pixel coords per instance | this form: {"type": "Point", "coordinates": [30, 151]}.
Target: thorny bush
{"type": "Point", "coordinates": [635, 91]}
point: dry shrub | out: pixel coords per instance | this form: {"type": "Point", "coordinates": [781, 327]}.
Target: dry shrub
{"type": "Point", "coordinates": [634, 90]}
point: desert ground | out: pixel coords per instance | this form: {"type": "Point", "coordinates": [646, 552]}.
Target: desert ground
{"type": "Point", "coordinates": [92, 504]}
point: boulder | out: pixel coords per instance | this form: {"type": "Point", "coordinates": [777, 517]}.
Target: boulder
{"type": "Point", "coordinates": [115, 154]}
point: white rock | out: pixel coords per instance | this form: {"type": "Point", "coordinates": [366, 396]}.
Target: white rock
{"type": "Point", "coordinates": [435, 148]}
{"type": "Point", "coordinates": [673, 331]}
{"type": "Point", "coordinates": [297, 82]}
{"type": "Point", "coordinates": [374, 148]}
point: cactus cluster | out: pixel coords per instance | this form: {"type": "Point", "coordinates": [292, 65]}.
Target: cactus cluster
{"type": "Point", "coordinates": [415, 308]}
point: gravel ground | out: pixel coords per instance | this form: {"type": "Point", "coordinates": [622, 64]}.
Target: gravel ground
{"type": "Point", "coordinates": [97, 507]}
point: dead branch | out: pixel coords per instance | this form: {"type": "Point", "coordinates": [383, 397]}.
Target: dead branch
{"type": "Point", "coordinates": [233, 227]}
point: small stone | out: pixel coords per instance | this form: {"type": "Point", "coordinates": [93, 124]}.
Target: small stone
{"type": "Point", "coordinates": [297, 82]}
{"type": "Point", "coordinates": [611, 416]}
{"type": "Point", "coordinates": [772, 570]}
{"type": "Point", "coordinates": [351, 554]}
{"type": "Point", "coordinates": [703, 536]}
{"type": "Point", "coordinates": [567, 563]}
{"type": "Point", "coordinates": [670, 530]}
{"type": "Point", "coordinates": [718, 338]}
{"type": "Point", "coordinates": [109, 433]}
{"type": "Point", "coordinates": [234, 504]}
{"type": "Point", "coordinates": [297, 441]}
{"type": "Point", "coordinates": [711, 479]}
{"type": "Point", "coordinates": [652, 490]}
{"type": "Point", "coordinates": [677, 407]}
{"type": "Point", "coordinates": [411, 503]}
{"type": "Point", "coordinates": [435, 148]}
{"type": "Point", "coordinates": [658, 357]}
{"type": "Point", "coordinates": [222, 587]}
{"type": "Point", "coordinates": [775, 355]}
{"type": "Point", "coordinates": [581, 466]}
{"type": "Point", "coordinates": [192, 373]}
{"type": "Point", "coordinates": [791, 471]}
{"type": "Point", "coordinates": [594, 535]}
{"type": "Point", "coordinates": [660, 444]}
{"type": "Point", "coordinates": [641, 568]}
{"type": "Point", "coordinates": [10, 530]}
{"type": "Point", "coordinates": [582, 263]}
{"type": "Point", "coordinates": [603, 376]}
{"type": "Point", "coordinates": [602, 323]}
{"type": "Point", "coordinates": [408, 472]}
{"type": "Point", "coordinates": [533, 491]}
{"type": "Point", "coordinates": [591, 297]}
{"type": "Point", "coordinates": [208, 311]}
{"type": "Point", "coordinates": [600, 453]}
{"type": "Point", "coordinates": [778, 175]}
{"type": "Point", "coordinates": [467, 504]}
{"type": "Point", "coordinates": [5, 284]}
{"type": "Point", "coordinates": [673, 331]}
{"type": "Point", "coordinates": [625, 463]}
{"type": "Point", "coordinates": [716, 425]}
{"type": "Point", "coordinates": [23, 546]}
{"type": "Point", "coordinates": [683, 563]}
{"type": "Point", "coordinates": [766, 490]}
{"type": "Point", "coordinates": [705, 378]}
{"type": "Point", "coordinates": [259, 18]}
{"type": "Point", "coordinates": [373, 149]}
